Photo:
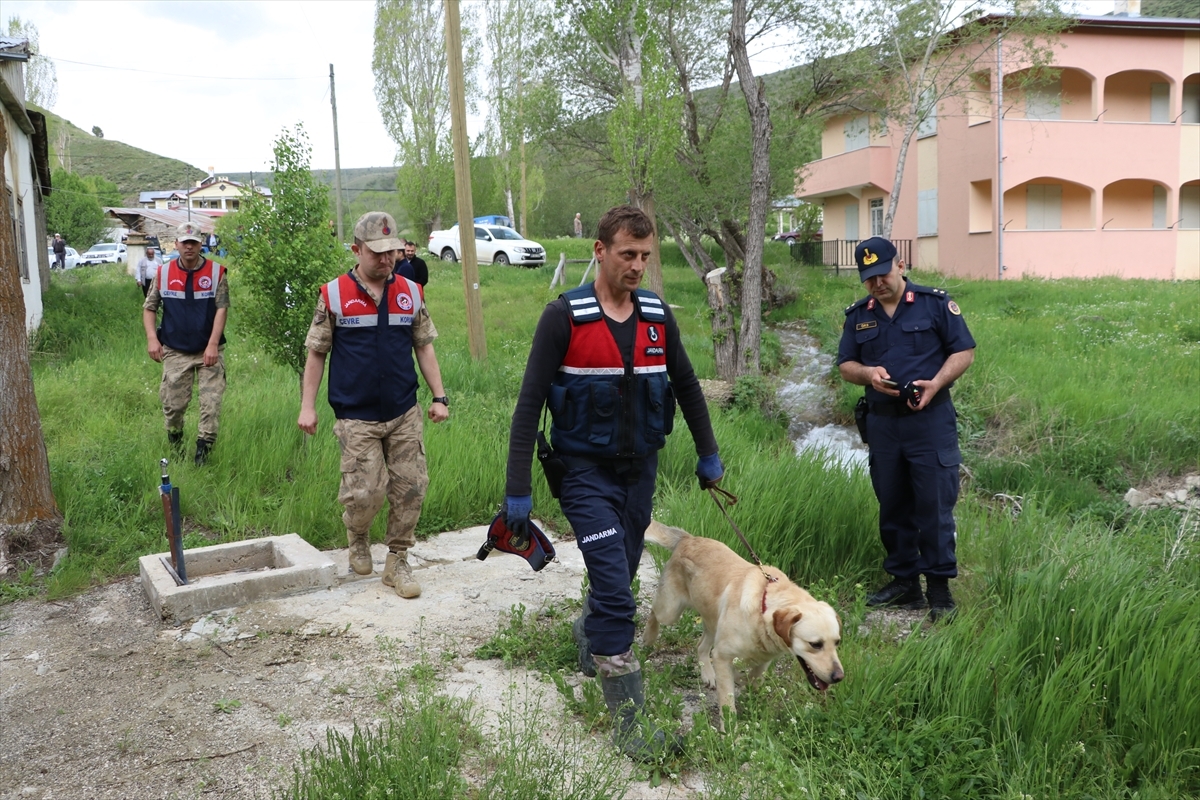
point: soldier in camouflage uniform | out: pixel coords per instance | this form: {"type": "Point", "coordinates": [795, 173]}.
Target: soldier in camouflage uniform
{"type": "Point", "coordinates": [372, 322]}
{"type": "Point", "coordinates": [194, 297]}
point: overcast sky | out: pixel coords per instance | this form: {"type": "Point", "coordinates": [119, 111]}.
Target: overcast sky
{"type": "Point", "coordinates": [213, 83]}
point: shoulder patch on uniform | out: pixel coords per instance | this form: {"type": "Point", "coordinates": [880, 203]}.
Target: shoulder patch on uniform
{"type": "Point", "coordinates": [855, 305]}
{"type": "Point", "coordinates": [954, 309]}
{"type": "Point", "coordinates": [862, 326]}
{"type": "Point", "coordinates": [650, 306]}
{"type": "Point", "coordinates": [582, 304]}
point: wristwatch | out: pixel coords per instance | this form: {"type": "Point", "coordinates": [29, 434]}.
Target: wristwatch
{"type": "Point", "coordinates": [443, 400]}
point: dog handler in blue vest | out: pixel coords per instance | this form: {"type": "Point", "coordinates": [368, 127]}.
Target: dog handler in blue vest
{"type": "Point", "coordinates": [372, 323]}
{"type": "Point", "coordinates": [608, 362]}
{"type": "Point", "coordinates": [908, 344]}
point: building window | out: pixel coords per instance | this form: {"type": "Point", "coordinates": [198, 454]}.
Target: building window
{"type": "Point", "coordinates": [1043, 207]}
{"type": "Point", "coordinates": [1159, 208]}
{"type": "Point", "coordinates": [928, 126]}
{"type": "Point", "coordinates": [1160, 102]}
{"type": "Point", "coordinates": [876, 207]}
{"type": "Point", "coordinates": [857, 133]}
{"type": "Point", "coordinates": [852, 221]}
{"type": "Point", "coordinates": [927, 213]}
{"type": "Point", "coordinates": [1189, 206]}
{"type": "Point", "coordinates": [1044, 101]}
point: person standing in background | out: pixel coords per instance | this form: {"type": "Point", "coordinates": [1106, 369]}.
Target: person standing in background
{"type": "Point", "coordinates": [60, 251]}
{"type": "Point", "coordinates": [419, 267]}
{"type": "Point", "coordinates": [578, 227]}
{"type": "Point", "coordinates": [146, 269]}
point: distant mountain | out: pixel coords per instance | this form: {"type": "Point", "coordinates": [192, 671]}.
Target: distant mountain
{"type": "Point", "coordinates": [133, 170]}
{"type": "Point", "coordinates": [354, 181]}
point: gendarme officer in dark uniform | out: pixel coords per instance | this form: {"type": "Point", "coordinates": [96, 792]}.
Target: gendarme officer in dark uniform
{"type": "Point", "coordinates": [608, 362]}
{"type": "Point", "coordinates": [908, 344]}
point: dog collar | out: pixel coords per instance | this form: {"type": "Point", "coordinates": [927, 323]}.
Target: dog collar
{"type": "Point", "coordinates": [767, 585]}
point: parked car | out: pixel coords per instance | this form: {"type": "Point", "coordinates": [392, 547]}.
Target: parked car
{"type": "Point", "coordinates": [494, 244]}
{"type": "Point", "coordinates": [104, 253]}
{"type": "Point", "coordinates": [71, 261]}
{"type": "Point", "coordinates": [790, 237]}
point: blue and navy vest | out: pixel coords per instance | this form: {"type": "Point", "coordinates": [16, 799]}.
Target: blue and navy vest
{"type": "Point", "coordinates": [189, 303]}
{"type": "Point", "coordinates": [602, 409]}
{"type": "Point", "coordinates": [371, 374]}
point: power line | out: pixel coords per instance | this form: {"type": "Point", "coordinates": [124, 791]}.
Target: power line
{"type": "Point", "coordinates": [176, 75]}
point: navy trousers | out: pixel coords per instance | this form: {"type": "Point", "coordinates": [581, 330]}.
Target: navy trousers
{"type": "Point", "coordinates": [609, 514]}
{"type": "Point", "coordinates": [914, 469]}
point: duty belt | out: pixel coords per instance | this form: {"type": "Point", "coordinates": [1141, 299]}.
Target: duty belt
{"type": "Point", "coordinates": [902, 409]}
{"type": "Point", "coordinates": [629, 470]}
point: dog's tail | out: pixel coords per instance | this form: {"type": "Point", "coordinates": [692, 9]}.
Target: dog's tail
{"type": "Point", "coordinates": [664, 535]}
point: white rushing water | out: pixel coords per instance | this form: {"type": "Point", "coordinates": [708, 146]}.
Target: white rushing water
{"type": "Point", "coordinates": [806, 397]}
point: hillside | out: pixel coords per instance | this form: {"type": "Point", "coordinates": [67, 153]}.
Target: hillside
{"type": "Point", "coordinates": [133, 170]}
{"type": "Point", "coordinates": [354, 181]}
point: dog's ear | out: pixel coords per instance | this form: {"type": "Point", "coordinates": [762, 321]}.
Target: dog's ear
{"type": "Point", "coordinates": [784, 619]}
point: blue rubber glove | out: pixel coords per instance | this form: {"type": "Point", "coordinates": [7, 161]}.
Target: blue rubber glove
{"type": "Point", "coordinates": [710, 470]}
{"type": "Point", "coordinates": [516, 514]}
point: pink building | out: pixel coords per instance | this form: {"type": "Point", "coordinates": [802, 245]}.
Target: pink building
{"type": "Point", "coordinates": [1100, 172]}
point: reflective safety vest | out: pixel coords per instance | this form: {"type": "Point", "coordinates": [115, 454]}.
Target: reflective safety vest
{"type": "Point", "coordinates": [601, 407]}
{"type": "Point", "coordinates": [371, 374]}
{"type": "Point", "coordinates": [189, 303]}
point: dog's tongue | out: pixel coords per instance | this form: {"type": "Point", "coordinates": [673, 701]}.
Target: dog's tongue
{"type": "Point", "coordinates": [817, 683]}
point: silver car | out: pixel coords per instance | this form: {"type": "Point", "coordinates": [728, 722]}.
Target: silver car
{"type": "Point", "coordinates": [104, 253]}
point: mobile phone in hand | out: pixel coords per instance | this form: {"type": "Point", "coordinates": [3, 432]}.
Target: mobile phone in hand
{"type": "Point", "coordinates": [889, 384]}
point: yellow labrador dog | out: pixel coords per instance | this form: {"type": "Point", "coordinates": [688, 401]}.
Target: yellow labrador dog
{"type": "Point", "coordinates": [747, 614]}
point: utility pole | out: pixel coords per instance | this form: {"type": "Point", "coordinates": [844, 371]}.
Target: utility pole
{"type": "Point", "coordinates": [462, 182]}
{"type": "Point", "coordinates": [337, 158]}
{"type": "Point", "coordinates": [521, 117]}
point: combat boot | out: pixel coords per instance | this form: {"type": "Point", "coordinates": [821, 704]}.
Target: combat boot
{"type": "Point", "coordinates": [175, 439]}
{"type": "Point", "coordinates": [625, 698]}
{"type": "Point", "coordinates": [582, 646]}
{"type": "Point", "coordinates": [360, 553]}
{"type": "Point", "coordinates": [203, 447]}
{"type": "Point", "coordinates": [900, 593]}
{"type": "Point", "coordinates": [398, 574]}
{"type": "Point", "coordinates": [941, 603]}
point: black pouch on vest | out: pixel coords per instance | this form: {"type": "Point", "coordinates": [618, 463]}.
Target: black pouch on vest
{"type": "Point", "coordinates": [860, 417]}
{"type": "Point", "coordinates": [552, 465]}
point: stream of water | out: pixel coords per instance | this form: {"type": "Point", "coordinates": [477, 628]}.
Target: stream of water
{"type": "Point", "coordinates": [806, 397]}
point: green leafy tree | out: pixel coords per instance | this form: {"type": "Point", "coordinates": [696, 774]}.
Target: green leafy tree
{"type": "Point", "coordinates": [74, 210]}
{"type": "Point", "coordinates": [1187, 9]}
{"type": "Point", "coordinates": [283, 252]}
{"type": "Point", "coordinates": [41, 77]}
{"type": "Point", "coordinates": [413, 89]}
{"type": "Point", "coordinates": [97, 132]}
{"type": "Point", "coordinates": [106, 192]}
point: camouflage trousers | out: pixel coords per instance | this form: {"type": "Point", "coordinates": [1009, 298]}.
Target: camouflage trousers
{"type": "Point", "coordinates": [383, 460]}
{"type": "Point", "coordinates": [180, 371]}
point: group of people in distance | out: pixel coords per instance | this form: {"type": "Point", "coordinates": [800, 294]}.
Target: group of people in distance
{"type": "Point", "coordinates": [608, 362]}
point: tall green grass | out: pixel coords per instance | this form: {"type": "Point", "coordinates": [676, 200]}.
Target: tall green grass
{"type": "Point", "coordinates": [1071, 669]}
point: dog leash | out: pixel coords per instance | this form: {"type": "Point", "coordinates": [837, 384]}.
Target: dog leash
{"type": "Point", "coordinates": [716, 493]}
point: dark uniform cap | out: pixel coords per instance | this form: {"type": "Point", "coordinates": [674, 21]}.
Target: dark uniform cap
{"type": "Point", "coordinates": [874, 257]}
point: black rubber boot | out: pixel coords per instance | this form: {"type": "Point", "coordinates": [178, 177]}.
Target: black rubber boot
{"type": "Point", "coordinates": [636, 738]}
{"type": "Point", "coordinates": [203, 447]}
{"type": "Point", "coordinates": [175, 439]}
{"type": "Point", "coordinates": [586, 664]}
{"type": "Point", "coordinates": [900, 593]}
{"type": "Point", "coordinates": [941, 603]}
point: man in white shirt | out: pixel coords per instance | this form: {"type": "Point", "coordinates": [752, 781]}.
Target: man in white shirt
{"type": "Point", "coordinates": [146, 269]}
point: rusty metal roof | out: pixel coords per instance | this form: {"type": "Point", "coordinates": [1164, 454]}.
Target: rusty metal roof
{"type": "Point", "coordinates": [132, 217]}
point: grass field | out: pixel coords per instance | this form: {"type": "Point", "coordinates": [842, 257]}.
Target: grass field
{"type": "Point", "coordinates": [1071, 670]}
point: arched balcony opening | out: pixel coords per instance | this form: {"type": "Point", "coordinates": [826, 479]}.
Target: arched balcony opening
{"type": "Point", "coordinates": [1135, 204]}
{"type": "Point", "coordinates": [1137, 95]}
{"type": "Point", "coordinates": [1068, 96]}
{"type": "Point", "coordinates": [1049, 204]}
{"type": "Point", "coordinates": [1191, 100]}
{"type": "Point", "coordinates": [1189, 206]}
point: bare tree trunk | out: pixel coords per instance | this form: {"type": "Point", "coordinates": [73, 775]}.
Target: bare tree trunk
{"type": "Point", "coordinates": [760, 186]}
{"type": "Point", "coordinates": [25, 494]}
{"type": "Point", "coordinates": [897, 180]}
{"type": "Point", "coordinates": [508, 202]}
{"type": "Point", "coordinates": [723, 331]}
{"type": "Point", "coordinates": [654, 280]}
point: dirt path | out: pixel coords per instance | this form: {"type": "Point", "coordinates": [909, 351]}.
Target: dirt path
{"type": "Point", "coordinates": [100, 699]}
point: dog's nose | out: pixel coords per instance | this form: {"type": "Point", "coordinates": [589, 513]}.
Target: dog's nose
{"type": "Point", "coordinates": [838, 674]}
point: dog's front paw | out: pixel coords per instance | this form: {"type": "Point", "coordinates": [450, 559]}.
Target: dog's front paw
{"type": "Point", "coordinates": [708, 675]}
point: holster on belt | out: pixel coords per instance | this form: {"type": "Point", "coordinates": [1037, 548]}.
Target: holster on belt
{"type": "Point", "coordinates": [552, 464]}
{"type": "Point", "coordinates": [860, 417]}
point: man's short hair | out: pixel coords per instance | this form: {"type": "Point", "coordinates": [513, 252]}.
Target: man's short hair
{"type": "Point", "coordinates": [633, 221]}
